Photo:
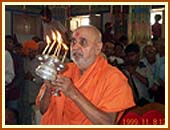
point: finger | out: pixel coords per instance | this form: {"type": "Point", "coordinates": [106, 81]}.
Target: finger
{"type": "Point", "coordinates": [47, 83]}
{"type": "Point", "coordinates": [59, 85]}
{"type": "Point", "coordinates": [59, 76]}
{"type": "Point", "coordinates": [60, 79]}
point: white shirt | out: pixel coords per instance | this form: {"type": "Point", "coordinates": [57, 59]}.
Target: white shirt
{"type": "Point", "coordinates": [9, 68]}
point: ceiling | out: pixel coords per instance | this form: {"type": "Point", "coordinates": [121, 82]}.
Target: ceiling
{"type": "Point", "coordinates": [74, 9]}
{"type": "Point", "coordinates": [38, 8]}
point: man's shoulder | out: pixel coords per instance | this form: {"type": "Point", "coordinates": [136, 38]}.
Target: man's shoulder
{"type": "Point", "coordinates": [113, 71]}
{"type": "Point", "coordinates": [7, 52]}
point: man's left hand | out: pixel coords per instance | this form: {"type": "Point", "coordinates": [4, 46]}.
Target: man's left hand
{"type": "Point", "coordinates": [66, 85]}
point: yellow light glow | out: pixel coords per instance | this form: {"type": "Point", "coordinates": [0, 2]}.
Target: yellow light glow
{"type": "Point", "coordinates": [48, 39]}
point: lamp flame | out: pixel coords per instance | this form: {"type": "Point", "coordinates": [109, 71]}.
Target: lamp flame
{"type": "Point", "coordinates": [53, 36]}
{"type": "Point", "coordinates": [59, 38]}
{"type": "Point", "coordinates": [65, 46]}
{"type": "Point", "coordinates": [48, 44]}
{"type": "Point", "coordinates": [54, 41]}
{"type": "Point", "coordinates": [48, 40]}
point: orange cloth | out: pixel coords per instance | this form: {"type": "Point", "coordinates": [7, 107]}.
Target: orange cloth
{"type": "Point", "coordinates": [30, 44]}
{"type": "Point", "coordinates": [105, 86]}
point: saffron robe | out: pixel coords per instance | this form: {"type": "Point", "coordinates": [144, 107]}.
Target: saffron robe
{"type": "Point", "coordinates": [102, 84]}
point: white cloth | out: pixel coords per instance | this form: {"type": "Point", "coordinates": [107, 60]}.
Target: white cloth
{"type": "Point", "coordinates": [9, 68]}
{"type": "Point", "coordinates": [113, 58]}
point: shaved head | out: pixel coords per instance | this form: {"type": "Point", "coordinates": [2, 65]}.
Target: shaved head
{"type": "Point", "coordinates": [85, 46]}
{"type": "Point", "coordinates": [93, 32]}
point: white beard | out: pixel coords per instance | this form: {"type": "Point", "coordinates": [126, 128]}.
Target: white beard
{"type": "Point", "coordinates": [82, 63]}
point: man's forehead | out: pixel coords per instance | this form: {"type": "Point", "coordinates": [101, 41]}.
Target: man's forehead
{"type": "Point", "coordinates": [81, 32]}
{"type": "Point", "coordinates": [77, 34]}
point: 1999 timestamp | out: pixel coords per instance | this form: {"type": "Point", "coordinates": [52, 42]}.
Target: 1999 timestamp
{"type": "Point", "coordinates": [143, 121]}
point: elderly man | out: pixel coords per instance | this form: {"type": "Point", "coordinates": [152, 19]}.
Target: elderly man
{"type": "Point", "coordinates": [92, 91]}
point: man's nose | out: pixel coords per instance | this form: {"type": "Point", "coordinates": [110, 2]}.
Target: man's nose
{"type": "Point", "coordinates": [76, 46]}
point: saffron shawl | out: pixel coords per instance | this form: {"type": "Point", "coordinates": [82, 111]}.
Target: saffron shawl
{"type": "Point", "coordinates": [104, 85]}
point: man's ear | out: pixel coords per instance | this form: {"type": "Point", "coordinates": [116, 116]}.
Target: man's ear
{"type": "Point", "coordinates": [99, 46]}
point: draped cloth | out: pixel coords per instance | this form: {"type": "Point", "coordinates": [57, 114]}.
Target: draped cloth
{"type": "Point", "coordinates": [105, 86]}
{"type": "Point", "coordinates": [139, 29]}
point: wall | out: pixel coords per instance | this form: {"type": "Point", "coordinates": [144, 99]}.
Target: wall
{"type": "Point", "coordinates": [7, 23]}
{"type": "Point", "coordinates": [96, 21]}
{"type": "Point", "coordinates": [139, 24]}
{"type": "Point", "coordinates": [15, 23]}
{"type": "Point", "coordinates": [26, 26]}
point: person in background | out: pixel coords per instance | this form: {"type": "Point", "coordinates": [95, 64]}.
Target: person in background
{"type": "Point", "coordinates": [32, 81]}
{"type": "Point", "coordinates": [36, 39]}
{"type": "Point", "coordinates": [123, 40]}
{"type": "Point", "coordinates": [108, 49]}
{"type": "Point", "coordinates": [159, 87]}
{"type": "Point", "coordinates": [156, 28]}
{"type": "Point", "coordinates": [9, 43]}
{"type": "Point", "coordinates": [117, 58]}
{"type": "Point", "coordinates": [11, 116]}
{"type": "Point", "coordinates": [108, 33]}
{"type": "Point", "coordinates": [12, 90]}
{"type": "Point", "coordinates": [136, 72]}
{"type": "Point", "coordinates": [49, 25]}
{"type": "Point", "coordinates": [151, 64]}
{"type": "Point", "coordinates": [9, 68]}
{"type": "Point", "coordinates": [19, 80]}
{"type": "Point", "coordinates": [91, 90]}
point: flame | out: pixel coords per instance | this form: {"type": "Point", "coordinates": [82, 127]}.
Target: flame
{"type": "Point", "coordinates": [59, 38]}
{"type": "Point", "coordinates": [54, 41]}
{"type": "Point", "coordinates": [48, 39]}
{"type": "Point", "coordinates": [48, 44]}
{"type": "Point", "coordinates": [65, 46]}
{"type": "Point", "coordinates": [53, 36]}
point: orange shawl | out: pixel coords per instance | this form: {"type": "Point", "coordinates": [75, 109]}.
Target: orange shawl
{"type": "Point", "coordinates": [105, 86]}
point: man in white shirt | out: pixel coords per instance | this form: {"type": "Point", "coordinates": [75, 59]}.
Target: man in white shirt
{"type": "Point", "coordinates": [50, 24]}
{"type": "Point", "coordinates": [9, 68]}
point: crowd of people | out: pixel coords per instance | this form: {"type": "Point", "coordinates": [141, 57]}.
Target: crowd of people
{"type": "Point", "coordinates": [143, 66]}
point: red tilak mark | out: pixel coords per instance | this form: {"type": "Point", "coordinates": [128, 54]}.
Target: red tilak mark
{"type": "Point", "coordinates": [77, 34]}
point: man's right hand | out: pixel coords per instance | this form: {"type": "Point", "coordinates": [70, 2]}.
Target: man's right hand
{"type": "Point", "coordinates": [45, 100]}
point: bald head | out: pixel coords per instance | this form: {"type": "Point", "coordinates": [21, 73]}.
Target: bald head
{"type": "Point", "coordinates": [91, 31]}
{"type": "Point", "coordinates": [85, 46]}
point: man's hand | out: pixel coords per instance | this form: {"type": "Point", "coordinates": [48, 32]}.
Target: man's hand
{"type": "Point", "coordinates": [66, 85]}
{"type": "Point", "coordinates": [46, 97]}
{"type": "Point", "coordinates": [50, 87]}
{"type": "Point", "coordinates": [95, 115]}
